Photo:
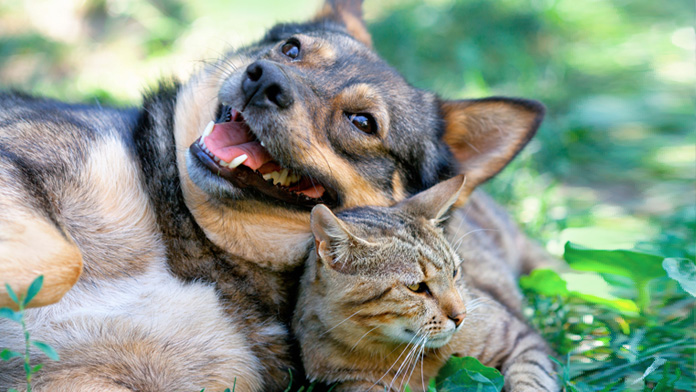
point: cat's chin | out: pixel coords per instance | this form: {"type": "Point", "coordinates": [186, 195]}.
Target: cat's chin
{"type": "Point", "coordinates": [438, 342]}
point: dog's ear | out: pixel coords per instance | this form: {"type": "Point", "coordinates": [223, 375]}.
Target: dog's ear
{"type": "Point", "coordinates": [486, 134]}
{"type": "Point", "coordinates": [349, 14]}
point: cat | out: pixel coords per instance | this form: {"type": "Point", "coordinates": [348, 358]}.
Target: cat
{"type": "Point", "coordinates": [385, 300]}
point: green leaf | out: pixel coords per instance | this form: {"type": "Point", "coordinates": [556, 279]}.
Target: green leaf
{"type": "Point", "coordinates": [48, 350]}
{"type": "Point", "coordinates": [467, 374]}
{"type": "Point", "coordinates": [683, 271]}
{"type": "Point", "coordinates": [12, 390]}
{"type": "Point", "coordinates": [635, 265]}
{"type": "Point", "coordinates": [11, 315]}
{"type": "Point", "coordinates": [36, 368]}
{"type": "Point", "coordinates": [12, 294]}
{"type": "Point", "coordinates": [654, 366]}
{"type": "Point", "coordinates": [432, 386]}
{"type": "Point", "coordinates": [669, 379]}
{"type": "Point", "coordinates": [593, 288]}
{"type": "Point", "coordinates": [8, 354]}
{"type": "Point", "coordinates": [545, 282]}
{"type": "Point", "coordinates": [623, 305]}
{"type": "Point", "coordinates": [33, 289]}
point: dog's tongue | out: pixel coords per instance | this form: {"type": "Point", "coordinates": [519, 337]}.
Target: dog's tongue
{"type": "Point", "coordinates": [229, 140]}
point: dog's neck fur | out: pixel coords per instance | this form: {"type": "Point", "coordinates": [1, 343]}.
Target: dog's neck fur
{"type": "Point", "coordinates": [254, 294]}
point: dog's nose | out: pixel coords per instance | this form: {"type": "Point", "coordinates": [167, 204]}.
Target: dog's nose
{"type": "Point", "coordinates": [265, 85]}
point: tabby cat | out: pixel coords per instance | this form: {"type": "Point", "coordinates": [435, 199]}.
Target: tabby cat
{"type": "Point", "coordinates": [385, 301]}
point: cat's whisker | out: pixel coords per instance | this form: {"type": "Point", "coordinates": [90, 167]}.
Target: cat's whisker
{"type": "Point", "coordinates": [361, 338]}
{"type": "Point", "coordinates": [412, 355]}
{"type": "Point", "coordinates": [460, 240]}
{"type": "Point", "coordinates": [397, 360]}
{"type": "Point", "coordinates": [461, 222]}
{"type": "Point", "coordinates": [423, 360]}
{"type": "Point", "coordinates": [335, 326]}
{"type": "Point", "coordinates": [417, 350]}
{"type": "Point", "coordinates": [421, 347]}
{"type": "Point", "coordinates": [406, 360]}
{"type": "Point", "coordinates": [476, 303]}
{"type": "Point", "coordinates": [472, 315]}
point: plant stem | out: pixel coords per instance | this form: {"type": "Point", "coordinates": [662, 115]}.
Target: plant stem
{"type": "Point", "coordinates": [27, 345]}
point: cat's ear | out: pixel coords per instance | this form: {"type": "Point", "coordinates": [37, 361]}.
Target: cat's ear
{"type": "Point", "coordinates": [349, 14]}
{"type": "Point", "coordinates": [486, 134]}
{"type": "Point", "coordinates": [329, 233]}
{"type": "Point", "coordinates": [434, 202]}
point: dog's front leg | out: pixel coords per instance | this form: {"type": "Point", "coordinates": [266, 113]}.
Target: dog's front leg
{"type": "Point", "coordinates": [32, 244]}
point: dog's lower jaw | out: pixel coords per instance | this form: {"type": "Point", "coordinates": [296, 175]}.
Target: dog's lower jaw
{"type": "Point", "coordinates": [210, 184]}
{"type": "Point", "coordinates": [271, 236]}
{"type": "Point", "coordinates": [275, 238]}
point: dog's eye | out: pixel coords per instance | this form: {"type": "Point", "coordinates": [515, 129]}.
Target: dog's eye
{"type": "Point", "coordinates": [291, 49]}
{"type": "Point", "coordinates": [363, 121]}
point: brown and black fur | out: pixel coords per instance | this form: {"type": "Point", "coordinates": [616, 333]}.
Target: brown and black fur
{"type": "Point", "coordinates": [108, 203]}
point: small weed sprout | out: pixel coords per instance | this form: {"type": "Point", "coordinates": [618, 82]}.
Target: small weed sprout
{"type": "Point", "coordinates": [18, 317]}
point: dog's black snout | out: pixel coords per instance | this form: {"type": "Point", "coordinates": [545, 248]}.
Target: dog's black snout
{"type": "Point", "coordinates": [265, 85]}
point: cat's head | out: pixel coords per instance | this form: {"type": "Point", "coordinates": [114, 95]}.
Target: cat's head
{"type": "Point", "coordinates": [387, 276]}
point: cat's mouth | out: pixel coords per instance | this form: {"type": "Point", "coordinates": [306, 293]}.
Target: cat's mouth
{"type": "Point", "coordinates": [230, 149]}
{"type": "Point", "coordinates": [430, 340]}
{"type": "Point", "coordinates": [438, 341]}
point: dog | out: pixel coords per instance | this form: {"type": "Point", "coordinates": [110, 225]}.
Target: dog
{"type": "Point", "coordinates": [171, 235]}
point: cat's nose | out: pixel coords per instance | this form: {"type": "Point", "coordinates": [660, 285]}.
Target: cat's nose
{"type": "Point", "coordinates": [265, 85]}
{"type": "Point", "coordinates": [458, 318]}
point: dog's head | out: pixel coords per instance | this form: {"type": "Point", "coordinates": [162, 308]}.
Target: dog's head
{"type": "Point", "coordinates": [309, 115]}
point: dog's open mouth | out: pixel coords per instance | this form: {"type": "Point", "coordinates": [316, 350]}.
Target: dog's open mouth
{"type": "Point", "coordinates": [229, 149]}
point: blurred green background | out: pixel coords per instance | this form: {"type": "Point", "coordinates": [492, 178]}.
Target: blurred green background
{"type": "Point", "coordinates": [612, 167]}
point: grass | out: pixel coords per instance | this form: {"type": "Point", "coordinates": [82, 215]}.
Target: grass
{"type": "Point", "coordinates": [611, 170]}
{"type": "Point", "coordinates": [18, 317]}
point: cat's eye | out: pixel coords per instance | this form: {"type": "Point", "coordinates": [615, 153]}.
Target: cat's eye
{"type": "Point", "coordinates": [363, 121]}
{"type": "Point", "coordinates": [291, 48]}
{"type": "Point", "coordinates": [455, 273]}
{"type": "Point", "coordinates": [418, 287]}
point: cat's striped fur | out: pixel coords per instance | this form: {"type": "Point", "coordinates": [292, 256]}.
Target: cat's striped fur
{"type": "Point", "coordinates": [385, 301]}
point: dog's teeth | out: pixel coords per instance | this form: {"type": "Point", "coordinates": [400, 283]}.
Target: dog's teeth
{"type": "Point", "coordinates": [267, 176]}
{"type": "Point", "coordinates": [238, 161]}
{"type": "Point", "coordinates": [262, 144]}
{"type": "Point", "coordinates": [283, 177]}
{"type": "Point", "coordinates": [293, 178]}
{"type": "Point", "coordinates": [217, 160]}
{"type": "Point", "coordinates": [208, 129]}
{"type": "Point", "coordinates": [275, 176]}
{"type": "Point", "coordinates": [203, 145]}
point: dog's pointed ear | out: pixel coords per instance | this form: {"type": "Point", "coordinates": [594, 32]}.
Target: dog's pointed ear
{"type": "Point", "coordinates": [435, 201]}
{"type": "Point", "coordinates": [330, 235]}
{"type": "Point", "coordinates": [486, 134]}
{"type": "Point", "coordinates": [349, 14]}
